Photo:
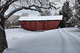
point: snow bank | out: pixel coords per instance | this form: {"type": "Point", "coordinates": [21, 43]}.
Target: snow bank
{"type": "Point", "coordinates": [33, 18]}
{"type": "Point", "coordinates": [65, 40]}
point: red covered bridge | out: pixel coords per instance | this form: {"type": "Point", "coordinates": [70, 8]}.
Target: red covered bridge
{"type": "Point", "coordinates": [40, 22]}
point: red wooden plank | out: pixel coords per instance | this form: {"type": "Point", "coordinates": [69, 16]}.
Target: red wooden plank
{"type": "Point", "coordinates": [54, 24]}
{"type": "Point", "coordinates": [27, 25]}
{"type": "Point", "coordinates": [32, 25]}
{"type": "Point", "coordinates": [51, 25]}
{"type": "Point", "coordinates": [58, 22]}
{"type": "Point", "coordinates": [47, 25]}
{"type": "Point", "coordinates": [39, 25]}
{"type": "Point", "coordinates": [22, 24]}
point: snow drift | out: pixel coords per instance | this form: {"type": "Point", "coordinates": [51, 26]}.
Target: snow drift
{"type": "Point", "coordinates": [65, 40]}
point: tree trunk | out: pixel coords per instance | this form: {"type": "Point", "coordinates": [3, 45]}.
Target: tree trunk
{"type": "Point", "coordinates": [3, 42]}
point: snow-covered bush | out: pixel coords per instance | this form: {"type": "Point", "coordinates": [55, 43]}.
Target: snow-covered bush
{"type": "Point", "coordinates": [24, 14]}
{"type": "Point", "coordinates": [45, 13]}
{"type": "Point", "coordinates": [12, 21]}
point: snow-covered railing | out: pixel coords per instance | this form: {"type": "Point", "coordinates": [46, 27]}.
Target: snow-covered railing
{"type": "Point", "coordinates": [41, 18]}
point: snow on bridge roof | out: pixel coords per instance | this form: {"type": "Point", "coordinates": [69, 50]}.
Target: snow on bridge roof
{"type": "Point", "coordinates": [40, 18]}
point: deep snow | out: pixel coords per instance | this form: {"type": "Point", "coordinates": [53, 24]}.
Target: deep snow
{"type": "Point", "coordinates": [65, 40]}
{"type": "Point", "coordinates": [39, 18]}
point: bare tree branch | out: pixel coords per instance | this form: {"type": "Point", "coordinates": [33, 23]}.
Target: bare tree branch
{"type": "Point", "coordinates": [18, 9]}
{"type": "Point", "coordinates": [6, 5]}
{"type": "Point", "coordinates": [40, 2]}
{"type": "Point", "coordinates": [12, 2]}
{"type": "Point", "coordinates": [37, 8]}
{"type": "Point", "coordinates": [30, 7]}
{"type": "Point", "coordinates": [53, 6]}
{"type": "Point", "coordinates": [40, 7]}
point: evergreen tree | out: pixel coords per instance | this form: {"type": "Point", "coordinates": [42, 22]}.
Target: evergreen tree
{"type": "Point", "coordinates": [77, 8]}
{"type": "Point", "coordinates": [67, 14]}
{"type": "Point", "coordinates": [76, 20]}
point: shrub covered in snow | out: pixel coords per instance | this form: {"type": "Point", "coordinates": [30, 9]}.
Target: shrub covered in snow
{"type": "Point", "coordinates": [12, 22]}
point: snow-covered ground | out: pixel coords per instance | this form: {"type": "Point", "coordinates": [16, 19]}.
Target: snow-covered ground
{"type": "Point", "coordinates": [65, 40]}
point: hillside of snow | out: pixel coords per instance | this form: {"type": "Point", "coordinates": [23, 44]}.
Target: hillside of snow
{"type": "Point", "coordinates": [65, 40]}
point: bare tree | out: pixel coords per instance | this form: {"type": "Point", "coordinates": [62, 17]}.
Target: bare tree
{"type": "Point", "coordinates": [18, 5]}
{"type": "Point", "coordinates": [77, 8]}
{"type": "Point", "coordinates": [24, 14]}
{"type": "Point", "coordinates": [12, 22]}
{"type": "Point", "coordinates": [45, 13]}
